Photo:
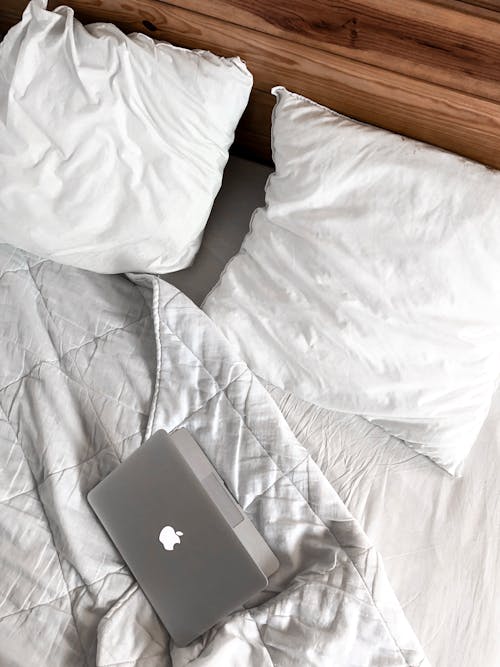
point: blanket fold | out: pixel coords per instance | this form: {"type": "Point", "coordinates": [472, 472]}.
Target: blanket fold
{"type": "Point", "coordinates": [91, 366]}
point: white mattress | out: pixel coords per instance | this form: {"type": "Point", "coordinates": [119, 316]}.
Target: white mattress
{"type": "Point", "coordinates": [241, 192]}
{"type": "Point", "coordinates": [439, 536]}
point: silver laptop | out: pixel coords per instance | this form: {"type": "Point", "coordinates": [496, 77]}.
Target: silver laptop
{"type": "Point", "coordinates": [192, 549]}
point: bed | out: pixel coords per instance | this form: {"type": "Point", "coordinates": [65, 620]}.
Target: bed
{"type": "Point", "coordinates": [433, 560]}
{"type": "Point", "coordinates": [423, 69]}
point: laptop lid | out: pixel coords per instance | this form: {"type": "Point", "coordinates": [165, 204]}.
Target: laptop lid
{"type": "Point", "coordinates": [186, 557]}
{"type": "Point", "coordinates": [245, 530]}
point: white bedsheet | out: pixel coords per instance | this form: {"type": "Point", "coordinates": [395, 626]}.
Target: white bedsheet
{"type": "Point", "coordinates": [241, 192]}
{"type": "Point", "coordinates": [439, 536]}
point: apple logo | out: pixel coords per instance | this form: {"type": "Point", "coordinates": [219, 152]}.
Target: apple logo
{"type": "Point", "coordinates": [169, 537]}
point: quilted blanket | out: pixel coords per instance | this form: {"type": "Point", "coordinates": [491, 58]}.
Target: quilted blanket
{"type": "Point", "coordinates": [90, 366]}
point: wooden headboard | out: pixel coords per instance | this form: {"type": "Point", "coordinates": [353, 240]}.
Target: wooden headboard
{"type": "Point", "coordinates": [429, 70]}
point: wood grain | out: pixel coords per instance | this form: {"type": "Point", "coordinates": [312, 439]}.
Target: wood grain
{"type": "Point", "coordinates": [431, 42]}
{"type": "Point", "coordinates": [433, 78]}
{"type": "Point", "coordinates": [488, 9]}
{"type": "Point", "coordinates": [483, 4]}
{"type": "Point", "coordinates": [253, 134]}
{"type": "Point", "coordinates": [10, 13]}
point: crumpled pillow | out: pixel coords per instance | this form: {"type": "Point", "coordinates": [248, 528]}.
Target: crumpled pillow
{"type": "Point", "coordinates": [370, 282]}
{"type": "Point", "coordinates": [112, 147]}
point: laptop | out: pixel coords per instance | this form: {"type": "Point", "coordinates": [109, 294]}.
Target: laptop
{"type": "Point", "coordinates": [195, 553]}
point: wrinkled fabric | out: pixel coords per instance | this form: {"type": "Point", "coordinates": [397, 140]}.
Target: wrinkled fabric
{"type": "Point", "coordinates": [116, 142]}
{"type": "Point", "coordinates": [370, 282]}
{"type": "Point", "coordinates": [439, 536]}
{"type": "Point", "coordinates": [91, 366]}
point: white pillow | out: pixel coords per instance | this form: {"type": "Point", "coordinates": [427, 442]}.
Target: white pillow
{"type": "Point", "coordinates": [112, 147]}
{"type": "Point", "coordinates": [370, 283]}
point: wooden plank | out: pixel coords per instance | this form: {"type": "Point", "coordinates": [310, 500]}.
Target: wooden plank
{"type": "Point", "coordinates": [253, 134]}
{"type": "Point", "coordinates": [459, 122]}
{"type": "Point", "coordinates": [484, 4]}
{"type": "Point", "coordinates": [10, 13]}
{"type": "Point", "coordinates": [487, 10]}
{"type": "Point", "coordinates": [439, 44]}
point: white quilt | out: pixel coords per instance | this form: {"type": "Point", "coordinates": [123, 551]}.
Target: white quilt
{"type": "Point", "coordinates": [93, 364]}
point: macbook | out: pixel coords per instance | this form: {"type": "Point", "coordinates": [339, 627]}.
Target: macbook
{"type": "Point", "coordinates": [194, 552]}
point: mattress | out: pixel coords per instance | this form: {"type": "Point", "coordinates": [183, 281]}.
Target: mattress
{"type": "Point", "coordinates": [439, 536]}
{"type": "Point", "coordinates": [242, 191]}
